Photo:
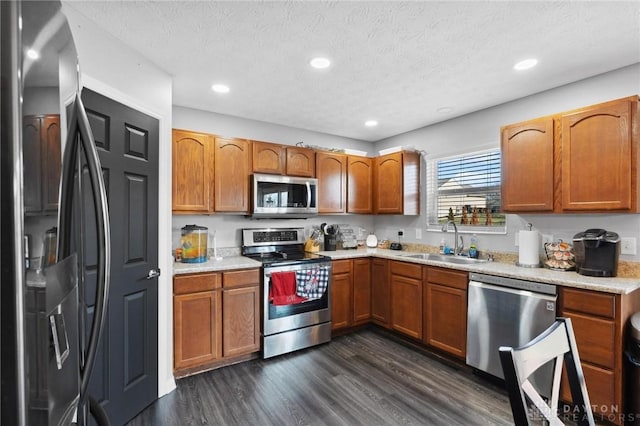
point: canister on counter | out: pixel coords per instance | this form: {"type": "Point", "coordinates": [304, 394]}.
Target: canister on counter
{"type": "Point", "coordinates": [194, 244]}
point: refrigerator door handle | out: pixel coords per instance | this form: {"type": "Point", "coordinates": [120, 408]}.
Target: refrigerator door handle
{"type": "Point", "coordinates": [104, 244]}
{"type": "Point", "coordinates": [79, 125]}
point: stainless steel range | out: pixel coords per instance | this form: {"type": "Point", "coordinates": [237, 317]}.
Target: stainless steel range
{"type": "Point", "coordinates": [296, 311]}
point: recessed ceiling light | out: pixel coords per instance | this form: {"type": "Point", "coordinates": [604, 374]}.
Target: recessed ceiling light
{"type": "Point", "coordinates": [220, 88]}
{"type": "Point", "coordinates": [526, 64]}
{"type": "Point", "coordinates": [371, 123]}
{"type": "Point", "coordinates": [32, 54]}
{"type": "Point", "coordinates": [320, 63]}
{"type": "Point", "coordinates": [444, 110]}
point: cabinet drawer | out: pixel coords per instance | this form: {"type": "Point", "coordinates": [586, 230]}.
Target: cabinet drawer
{"type": "Point", "coordinates": [341, 266]}
{"type": "Point", "coordinates": [405, 269]}
{"type": "Point", "coordinates": [448, 277]}
{"type": "Point", "coordinates": [241, 278]}
{"type": "Point", "coordinates": [193, 283]}
{"type": "Point", "coordinates": [600, 388]}
{"type": "Point", "coordinates": [595, 338]}
{"type": "Point", "coordinates": [589, 302]}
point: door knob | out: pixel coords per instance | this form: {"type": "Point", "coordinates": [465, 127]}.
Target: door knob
{"type": "Point", "coordinates": [153, 273]}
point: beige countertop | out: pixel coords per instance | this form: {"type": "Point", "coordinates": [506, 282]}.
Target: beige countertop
{"type": "Point", "coordinates": [543, 275]}
{"type": "Point", "coordinates": [212, 265]}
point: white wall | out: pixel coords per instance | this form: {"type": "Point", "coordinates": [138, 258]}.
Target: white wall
{"type": "Point", "coordinates": [114, 70]}
{"type": "Point", "coordinates": [481, 130]}
{"type": "Point", "coordinates": [229, 126]}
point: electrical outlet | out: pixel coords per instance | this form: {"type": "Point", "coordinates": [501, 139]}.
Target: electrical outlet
{"type": "Point", "coordinates": [628, 245]}
{"type": "Point", "coordinates": [547, 238]}
{"type": "Point", "coordinates": [418, 234]}
{"type": "Point", "coordinates": [400, 232]}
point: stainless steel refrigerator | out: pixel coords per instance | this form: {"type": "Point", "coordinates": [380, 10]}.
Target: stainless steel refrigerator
{"type": "Point", "coordinates": [48, 165]}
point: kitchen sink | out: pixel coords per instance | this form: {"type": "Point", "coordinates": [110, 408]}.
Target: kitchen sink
{"type": "Point", "coordinates": [446, 258]}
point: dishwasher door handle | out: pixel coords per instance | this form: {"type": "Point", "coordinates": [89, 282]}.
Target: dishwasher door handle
{"type": "Point", "coordinates": [516, 291]}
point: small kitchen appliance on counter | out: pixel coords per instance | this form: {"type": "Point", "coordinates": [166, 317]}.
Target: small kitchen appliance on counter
{"type": "Point", "coordinates": [194, 244]}
{"type": "Point", "coordinates": [596, 252]}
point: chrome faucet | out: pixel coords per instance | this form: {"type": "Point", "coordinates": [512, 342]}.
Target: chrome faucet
{"type": "Point", "coordinates": [457, 248]}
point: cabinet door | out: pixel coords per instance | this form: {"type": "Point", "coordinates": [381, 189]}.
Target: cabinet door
{"type": "Point", "coordinates": [597, 168]}
{"type": "Point", "coordinates": [268, 158]}
{"type": "Point", "coordinates": [301, 162]}
{"type": "Point", "coordinates": [528, 185]}
{"type": "Point", "coordinates": [197, 328]}
{"type": "Point", "coordinates": [387, 195]}
{"type": "Point", "coordinates": [241, 320]}
{"type": "Point", "coordinates": [42, 159]}
{"type": "Point", "coordinates": [361, 291]}
{"type": "Point", "coordinates": [331, 170]}
{"type": "Point", "coordinates": [231, 175]}
{"type": "Point", "coordinates": [380, 293]}
{"type": "Point", "coordinates": [192, 172]}
{"type": "Point", "coordinates": [52, 162]}
{"type": "Point", "coordinates": [359, 185]}
{"type": "Point", "coordinates": [406, 305]}
{"type": "Point", "coordinates": [446, 318]}
{"type": "Point", "coordinates": [396, 187]}
{"type": "Point", "coordinates": [341, 294]}
{"type": "Point", "coordinates": [32, 160]}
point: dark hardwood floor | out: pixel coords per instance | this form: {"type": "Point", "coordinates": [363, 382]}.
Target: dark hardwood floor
{"type": "Point", "coordinates": [363, 378]}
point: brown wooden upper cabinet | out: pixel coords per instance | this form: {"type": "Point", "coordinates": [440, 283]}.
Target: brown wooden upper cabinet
{"type": "Point", "coordinates": [397, 184]}
{"type": "Point", "coordinates": [268, 158]}
{"type": "Point", "coordinates": [283, 160]}
{"type": "Point", "coordinates": [586, 159]}
{"type": "Point", "coordinates": [231, 167]}
{"type": "Point", "coordinates": [192, 172]}
{"type": "Point", "coordinates": [331, 170]}
{"type": "Point", "coordinates": [359, 184]}
{"type": "Point", "coordinates": [42, 161]}
{"type": "Point", "coordinates": [600, 157]}
{"type": "Point", "coordinates": [527, 166]}
{"type": "Point", "coordinates": [300, 162]}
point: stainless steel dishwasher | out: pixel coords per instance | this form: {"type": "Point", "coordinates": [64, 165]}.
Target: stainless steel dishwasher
{"type": "Point", "coordinates": [506, 312]}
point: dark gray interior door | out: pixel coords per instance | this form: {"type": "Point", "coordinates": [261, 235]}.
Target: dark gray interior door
{"type": "Point", "coordinates": [125, 377]}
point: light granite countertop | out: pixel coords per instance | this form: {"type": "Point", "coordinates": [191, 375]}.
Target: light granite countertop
{"type": "Point", "coordinates": [568, 279]}
{"type": "Point", "coordinates": [212, 265]}
{"type": "Point", "coordinates": [543, 275]}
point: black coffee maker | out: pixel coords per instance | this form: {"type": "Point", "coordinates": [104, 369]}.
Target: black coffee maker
{"type": "Point", "coordinates": [597, 252]}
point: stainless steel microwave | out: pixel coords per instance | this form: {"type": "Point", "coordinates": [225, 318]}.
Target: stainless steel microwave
{"type": "Point", "coordinates": [274, 196]}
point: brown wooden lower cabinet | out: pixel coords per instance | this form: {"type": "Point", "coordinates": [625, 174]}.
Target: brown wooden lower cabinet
{"type": "Point", "coordinates": [380, 293]}
{"type": "Point", "coordinates": [341, 290]}
{"type": "Point", "coordinates": [361, 291]}
{"type": "Point", "coordinates": [445, 310]}
{"type": "Point", "coordinates": [241, 320]}
{"type": "Point", "coordinates": [197, 331]}
{"type": "Point", "coordinates": [216, 315]}
{"type": "Point", "coordinates": [406, 298]}
{"type": "Point", "coordinates": [599, 321]}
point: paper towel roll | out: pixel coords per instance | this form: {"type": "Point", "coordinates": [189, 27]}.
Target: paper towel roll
{"type": "Point", "coordinates": [529, 248]}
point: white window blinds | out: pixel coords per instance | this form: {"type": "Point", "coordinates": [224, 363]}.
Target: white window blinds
{"type": "Point", "coordinates": [466, 189]}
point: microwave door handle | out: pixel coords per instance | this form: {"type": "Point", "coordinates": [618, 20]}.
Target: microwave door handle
{"type": "Point", "coordinates": [104, 245]}
{"type": "Point", "coordinates": [308, 194]}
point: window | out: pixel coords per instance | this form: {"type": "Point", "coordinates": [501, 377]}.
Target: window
{"type": "Point", "coordinates": [466, 189]}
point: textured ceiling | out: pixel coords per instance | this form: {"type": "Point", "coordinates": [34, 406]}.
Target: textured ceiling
{"type": "Point", "coordinates": [396, 62]}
